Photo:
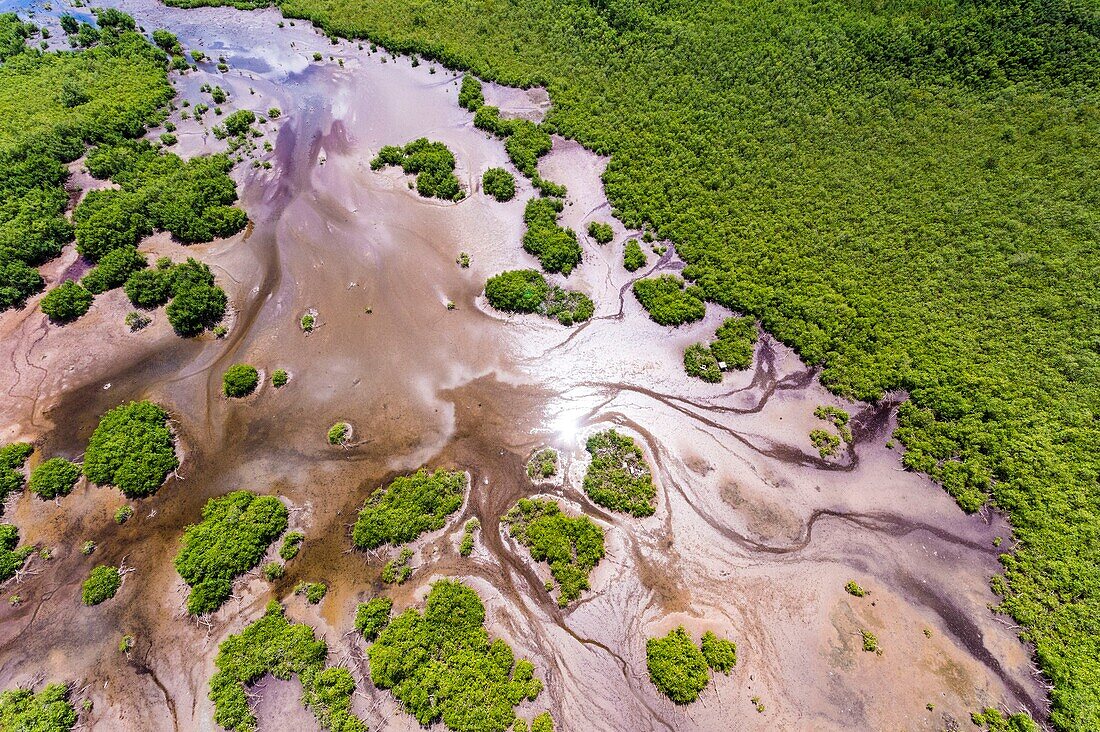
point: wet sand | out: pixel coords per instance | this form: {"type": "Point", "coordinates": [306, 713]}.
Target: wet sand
{"type": "Point", "coordinates": [754, 535]}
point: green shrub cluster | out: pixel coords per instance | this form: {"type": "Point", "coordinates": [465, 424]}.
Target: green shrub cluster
{"type": "Point", "coordinates": [732, 348]}
{"type": "Point", "coordinates": [668, 302]}
{"type": "Point", "coordinates": [54, 477]}
{"type": "Point", "coordinates": [571, 546]}
{"type": "Point", "coordinates": [408, 507]}
{"type": "Point", "coordinates": [499, 183]}
{"type": "Point", "coordinates": [601, 232]}
{"type": "Point", "coordinates": [837, 417]}
{"type": "Point", "coordinates": [524, 141]}
{"type": "Point", "coordinates": [52, 105]}
{"type": "Point", "coordinates": [527, 291]}
{"type": "Point", "coordinates": [240, 380]}
{"type": "Point", "coordinates": [878, 262]}
{"type": "Point", "coordinates": [113, 270]}
{"type": "Point", "coordinates": [543, 464]}
{"type": "Point", "coordinates": [466, 546]}
{"type": "Point", "coordinates": [12, 457]}
{"type": "Point", "coordinates": [131, 448]}
{"type": "Point", "coordinates": [279, 378]}
{"type": "Point", "coordinates": [432, 163]}
{"type": "Point", "coordinates": [555, 247]}
{"type": "Point", "coordinates": [372, 617]}
{"type": "Point", "coordinates": [338, 433]}
{"type": "Point", "coordinates": [292, 544]}
{"type": "Point", "coordinates": [441, 666]}
{"type": "Point", "coordinates": [123, 514]}
{"type": "Point", "coordinates": [469, 94]}
{"type": "Point", "coordinates": [313, 591]}
{"type": "Point", "coordinates": [676, 666]}
{"type": "Point", "coordinates": [618, 477]}
{"type": "Point", "coordinates": [993, 720]}
{"type": "Point", "coordinates": [852, 588]}
{"type": "Point", "coordinates": [398, 570]}
{"type": "Point", "coordinates": [12, 556]}
{"type": "Point", "coordinates": [233, 536]}
{"type": "Point", "coordinates": [66, 302]}
{"type": "Point", "coordinates": [633, 256]}
{"type": "Point", "coordinates": [47, 711]}
{"type": "Point", "coordinates": [273, 645]}
{"type": "Point", "coordinates": [542, 723]}
{"type": "Point", "coordinates": [720, 654]}
{"type": "Point", "coordinates": [101, 585]}
{"type": "Point", "coordinates": [196, 302]}
{"type": "Point", "coordinates": [826, 442]}
{"type": "Point", "coordinates": [240, 122]}
{"type": "Point", "coordinates": [274, 571]}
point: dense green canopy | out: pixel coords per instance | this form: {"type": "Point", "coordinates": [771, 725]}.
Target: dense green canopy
{"type": "Point", "coordinates": [131, 448]}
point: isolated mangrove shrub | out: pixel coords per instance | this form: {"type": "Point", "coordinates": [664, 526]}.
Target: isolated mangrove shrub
{"type": "Point", "coordinates": [470, 95]}
{"type": "Point", "coordinates": [132, 449]}
{"type": "Point", "coordinates": [279, 378]}
{"type": "Point", "coordinates": [373, 616]}
{"type": "Point", "coordinates": [499, 183]}
{"type": "Point", "coordinates": [240, 380]}
{"type": "Point", "coordinates": [720, 654]}
{"type": "Point", "coordinates": [12, 457]}
{"type": "Point", "coordinates": [47, 711]}
{"type": "Point", "coordinates": [123, 514]}
{"type": "Point", "coordinates": [338, 433]}
{"type": "Point", "coordinates": [676, 666]}
{"type": "Point", "coordinates": [408, 507]}
{"type": "Point", "coordinates": [292, 544]}
{"type": "Point", "coordinates": [870, 642]}
{"type": "Point", "coordinates": [601, 232]}
{"type": "Point", "coordinates": [442, 667]}
{"type": "Point", "coordinates": [826, 442]}
{"type": "Point", "coordinates": [398, 570]}
{"type": "Point", "coordinates": [517, 291]}
{"type": "Point", "coordinates": [113, 270]}
{"type": "Point", "coordinates": [432, 163]}
{"type": "Point", "coordinates": [101, 585]}
{"type": "Point", "coordinates": [196, 308]}
{"type": "Point", "coordinates": [233, 536]}
{"type": "Point", "coordinates": [668, 302]}
{"type": "Point", "coordinates": [633, 256]}
{"type": "Point", "coordinates": [701, 363]}
{"type": "Point", "coordinates": [314, 591]}
{"type": "Point", "coordinates": [307, 323]}
{"type": "Point", "coordinates": [618, 477]}
{"type": "Point", "coordinates": [555, 247]}
{"type": "Point", "coordinates": [148, 288]}
{"type": "Point", "coordinates": [543, 464]}
{"type": "Point", "coordinates": [273, 645]}
{"type": "Point", "coordinates": [853, 589]}
{"type": "Point", "coordinates": [12, 556]}
{"type": "Point", "coordinates": [54, 477]}
{"type": "Point", "coordinates": [466, 546]}
{"type": "Point", "coordinates": [572, 546]}
{"type": "Point", "coordinates": [732, 348]}
{"type": "Point", "coordinates": [836, 417]}
{"type": "Point", "coordinates": [239, 122]}
{"type": "Point", "coordinates": [568, 306]}
{"type": "Point", "coordinates": [66, 302]}
{"type": "Point", "coordinates": [274, 571]}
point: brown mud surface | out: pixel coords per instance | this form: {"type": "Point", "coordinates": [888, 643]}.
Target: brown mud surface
{"type": "Point", "coordinates": [754, 535]}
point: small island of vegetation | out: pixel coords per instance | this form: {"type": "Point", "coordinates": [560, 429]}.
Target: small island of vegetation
{"type": "Point", "coordinates": [132, 448]}
{"type": "Point", "coordinates": [47, 711]}
{"type": "Point", "coordinates": [554, 246]}
{"type": "Point", "coordinates": [432, 163]}
{"type": "Point", "coordinates": [668, 302]}
{"type": "Point", "coordinates": [240, 380]}
{"type": "Point", "coordinates": [572, 546]}
{"type": "Point", "coordinates": [408, 507]}
{"type": "Point", "coordinates": [618, 477]}
{"type": "Point", "coordinates": [54, 478]}
{"type": "Point", "coordinates": [678, 668]}
{"type": "Point", "coordinates": [732, 348]}
{"type": "Point", "coordinates": [527, 291]}
{"type": "Point", "coordinates": [101, 585]}
{"type": "Point", "coordinates": [499, 183]}
{"type": "Point", "coordinates": [232, 538]}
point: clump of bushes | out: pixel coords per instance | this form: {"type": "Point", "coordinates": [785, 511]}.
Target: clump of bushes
{"type": "Point", "coordinates": [123, 514]}
{"type": "Point", "coordinates": [732, 348]}
{"type": "Point", "coordinates": [240, 380]}
{"type": "Point", "coordinates": [720, 653]}
{"type": "Point", "coordinates": [994, 720]}
{"type": "Point", "coordinates": [618, 477]}
{"type": "Point", "coordinates": [66, 302]}
{"type": "Point", "coordinates": [279, 378]}
{"type": "Point", "coordinates": [524, 141]}
{"type": "Point", "coordinates": [308, 322]}
{"type": "Point", "coordinates": [676, 666]}
{"type": "Point", "coordinates": [601, 232]}
{"type": "Point", "coordinates": [543, 464]}
{"type": "Point", "coordinates": [826, 442]}
{"type": "Point", "coordinates": [470, 95]}
{"type": "Point", "coordinates": [870, 642]}
{"type": "Point", "coordinates": [554, 246]}
{"type": "Point", "coordinates": [398, 570]}
{"type": "Point", "coordinates": [668, 302]}
{"type": "Point", "coordinates": [314, 591]}
{"type": "Point", "coordinates": [101, 585]}
{"type": "Point", "coordinates": [196, 302]}
{"type": "Point", "coordinates": [273, 645]}
{"type": "Point", "coordinates": [132, 449]}
{"type": "Point", "coordinates": [853, 589]}
{"type": "Point", "coordinates": [54, 477]}
{"type": "Point", "coordinates": [466, 546]}
{"type": "Point", "coordinates": [372, 617]}
{"type": "Point", "coordinates": [113, 270]}
{"type": "Point", "coordinates": [292, 544]}
{"type": "Point", "coordinates": [448, 641]}
{"type": "Point", "coordinates": [571, 546]}
{"type": "Point", "coordinates": [11, 557]}
{"type": "Point", "coordinates": [338, 433]}
{"type": "Point", "coordinates": [47, 711]}
{"type": "Point", "coordinates": [837, 417]}
{"type": "Point", "coordinates": [527, 291]}
{"type": "Point", "coordinates": [233, 536]}
{"type": "Point", "coordinates": [633, 256]}
{"type": "Point", "coordinates": [135, 321]}
{"type": "Point", "coordinates": [12, 458]}
{"type": "Point", "coordinates": [239, 122]}
{"type": "Point", "coordinates": [432, 163]}
{"type": "Point", "coordinates": [499, 183]}
{"type": "Point", "coordinates": [408, 507]}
